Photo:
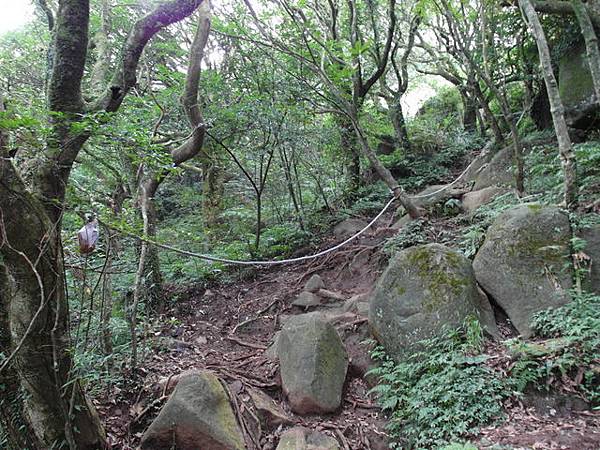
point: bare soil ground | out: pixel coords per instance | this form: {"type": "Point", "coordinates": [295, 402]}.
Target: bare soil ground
{"type": "Point", "coordinates": [227, 328]}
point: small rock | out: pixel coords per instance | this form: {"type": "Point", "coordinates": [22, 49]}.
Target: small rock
{"type": "Point", "coordinates": [402, 222]}
{"type": "Point", "coordinates": [314, 284]}
{"type": "Point", "coordinates": [300, 438]}
{"type": "Point", "coordinates": [331, 295]}
{"type": "Point", "coordinates": [352, 303]}
{"type": "Point", "coordinates": [362, 309]}
{"type": "Point", "coordinates": [198, 415]}
{"type": "Point", "coordinates": [306, 299]}
{"type": "Point", "coordinates": [209, 295]}
{"type": "Point", "coordinates": [271, 352]}
{"type": "Point", "coordinates": [270, 413]}
{"type": "Point", "coordinates": [201, 340]}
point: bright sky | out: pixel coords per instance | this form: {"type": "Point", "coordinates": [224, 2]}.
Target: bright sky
{"type": "Point", "coordinates": [14, 14]}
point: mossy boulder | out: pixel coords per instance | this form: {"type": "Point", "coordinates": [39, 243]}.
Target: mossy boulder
{"type": "Point", "coordinates": [313, 363]}
{"type": "Point", "coordinates": [198, 415]}
{"type": "Point", "coordinates": [592, 250]}
{"type": "Point", "coordinates": [524, 262]}
{"type": "Point", "coordinates": [424, 289]}
{"type": "Point", "coordinates": [300, 438]}
{"type": "Point", "coordinates": [574, 77]}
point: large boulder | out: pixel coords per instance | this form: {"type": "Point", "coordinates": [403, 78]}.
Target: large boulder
{"type": "Point", "coordinates": [498, 172]}
{"type": "Point", "coordinates": [524, 262]}
{"type": "Point", "coordinates": [198, 415]}
{"type": "Point", "coordinates": [300, 438]}
{"type": "Point", "coordinates": [423, 289]}
{"type": "Point", "coordinates": [471, 201]}
{"type": "Point", "coordinates": [313, 363]}
{"type": "Point", "coordinates": [591, 236]}
{"type": "Point", "coordinates": [574, 77]}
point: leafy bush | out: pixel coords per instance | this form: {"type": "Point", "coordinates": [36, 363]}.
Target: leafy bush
{"type": "Point", "coordinates": [474, 234]}
{"type": "Point", "coordinates": [569, 352]}
{"type": "Point", "coordinates": [441, 393]}
{"type": "Point", "coordinates": [545, 173]}
{"type": "Point", "coordinates": [409, 235]}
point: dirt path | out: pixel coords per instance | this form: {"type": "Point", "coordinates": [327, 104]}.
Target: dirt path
{"type": "Point", "coordinates": [226, 329]}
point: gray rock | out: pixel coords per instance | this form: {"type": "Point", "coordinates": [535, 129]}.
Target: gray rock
{"type": "Point", "coordinates": [574, 77]}
{"type": "Point", "coordinates": [270, 414]}
{"type": "Point", "coordinates": [524, 262]}
{"type": "Point", "coordinates": [401, 222]}
{"type": "Point", "coordinates": [300, 438]}
{"type": "Point", "coordinates": [271, 351]}
{"type": "Point", "coordinates": [362, 309]}
{"type": "Point", "coordinates": [474, 199]}
{"type": "Point", "coordinates": [498, 172]}
{"type": "Point", "coordinates": [306, 299]}
{"type": "Point", "coordinates": [198, 415]}
{"type": "Point", "coordinates": [423, 289]}
{"type": "Point", "coordinates": [313, 364]}
{"type": "Point", "coordinates": [592, 249]}
{"type": "Point", "coordinates": [314, 284]}
{"type": "Point", "coordinates": [351, 305]}
{"type": "Point", "coordinates": [484, 157]}
{"type": "Point", "coordinates": [348, 227]}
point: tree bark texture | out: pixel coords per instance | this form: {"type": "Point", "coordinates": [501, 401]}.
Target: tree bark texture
{"type": "Point", "coordinates": [30, 226]}
{"type": "Point", "coordinates": [567, 155]}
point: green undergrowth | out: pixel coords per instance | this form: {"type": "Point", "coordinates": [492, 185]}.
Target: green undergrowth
{"type": "Point", "coordinates": [565, 352]}
{"type": "Point", "coordinates": [442, 395]}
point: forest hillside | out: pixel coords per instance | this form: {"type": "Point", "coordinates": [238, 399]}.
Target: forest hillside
{"type": "Point", "coordinates": [293, 224]}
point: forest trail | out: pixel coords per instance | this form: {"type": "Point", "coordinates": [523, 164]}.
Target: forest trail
{"type": "Point", "coordinates": [229, 328]}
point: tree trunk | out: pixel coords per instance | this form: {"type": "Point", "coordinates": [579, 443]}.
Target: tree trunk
{"type": "Point", "coordinates": [382, 171]}
{"type": "Point", "coordinates": [351, 154]}
{"type": "Point", "coordinates": [212, 193]}
{"type": "Point", "coordinates": [591, 43]}
{"type": "Point", "coordinates": [258, 221]}
{"type": "Point", "coordinates": [567, 155]}
{"type": "Point", "coordinates": [469, 109]}
{"type": "Point", "coordinates": [399, 123]}
{"type": "Point", "coordinates": [489, 115]}
{"type": "Point", "coordinates": [31, 247]}
{"type": "Point", "coordinates": [15, 427]}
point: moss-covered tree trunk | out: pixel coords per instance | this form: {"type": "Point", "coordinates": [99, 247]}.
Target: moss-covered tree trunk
{"type": "Point", "coordinates": [212, 193]}
{"type": "Point", "coordinates": [31, 248]}
{"type": "Point", "coordinates": [15, 427]}
{"type": "Point", "coordinates": [351, 153]}
{"type": "Point", "coordinates": [399, 122]}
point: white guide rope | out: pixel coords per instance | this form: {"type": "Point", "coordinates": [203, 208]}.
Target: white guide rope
{"type": "Point", "coordinates": [301, 258]}
{"type": "Point", "coordinates": [267, 263]}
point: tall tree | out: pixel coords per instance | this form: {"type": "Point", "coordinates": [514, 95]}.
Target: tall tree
{"type": "Point", "coordinates": [30, 227]}
{"type": "Point", "coordinates": [567, 155]}
{"type": "Point", "coordinates": [345, 80]}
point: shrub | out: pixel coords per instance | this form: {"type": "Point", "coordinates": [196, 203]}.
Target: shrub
{"type": "Point", "coordinates": [441, 393]}
{"type": "Point", "coordinates": [568, 354]}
